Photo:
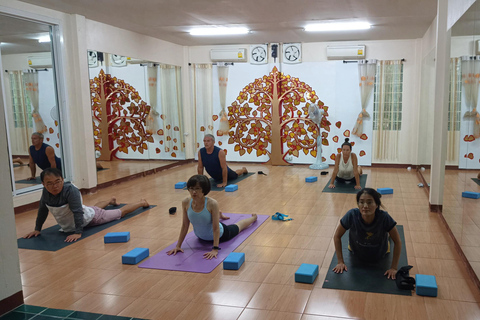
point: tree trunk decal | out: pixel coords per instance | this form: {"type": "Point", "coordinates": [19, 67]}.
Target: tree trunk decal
{"type": "Point", "coordinates": [274, 110]}
{"type": "Point", "coordinates": [119, 117]}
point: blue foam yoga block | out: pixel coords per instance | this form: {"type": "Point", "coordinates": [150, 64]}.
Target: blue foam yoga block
{"type": "Point", "coordinates": [114, 237]}
{"type": "Point", "coordinates": [310, 179]}
{"type": "Point", "coordinates": [385, 190]}
{"type": "Point", "coordinates": [470, 194]}
{"type": "Point", "coordinates": [180, 185]}
{"type": "Point", "coordinates": [135, 256]}
{"type": "Point", "coordinates": [425, 285]}
{"type": "Point", "coordinates": [234, 261]}
{"type": "Point", "coordinates": [231, 188]}
{"type": "Point", "coordinates": [306, 273]}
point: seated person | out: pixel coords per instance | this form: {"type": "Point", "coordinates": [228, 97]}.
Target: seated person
{"type": "Point", "coordinates": [42, 155]}
{"type": "Point", "coordinates": [204, 215]}
{"type": "Point", "coordinates": [370, 229]}
{"type": "Point", "coordinates": [346, 167]}
{"type": "Point", "coordinates": [64, 201]}
{"type": "Point", "coordinates": [214, 160]}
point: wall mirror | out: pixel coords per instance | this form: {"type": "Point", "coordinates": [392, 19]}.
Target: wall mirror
{"type": "Point", "coordinates": [30, 99]}
{"type": "Point", "coordinates": [136, 113]}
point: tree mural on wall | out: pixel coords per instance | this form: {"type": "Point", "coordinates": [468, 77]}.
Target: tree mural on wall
{"type": "Point", "coordinates": [119, 115]}
{"type": "Point", "coordinates": [274, 110]}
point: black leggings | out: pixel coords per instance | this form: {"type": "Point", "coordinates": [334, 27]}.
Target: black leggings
{"type": "Point", "coordinates": [229, 232]}
{"type": "Point", "coordinates": [341, 180]}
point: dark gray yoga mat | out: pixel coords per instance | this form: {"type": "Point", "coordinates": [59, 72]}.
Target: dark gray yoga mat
{"type": "Point", "coordinates": [476, 181]}
{"type": "Point", "coordinates": [341, 187]}
{"type": "Point", "coordinates": [51, 239]}
{"type": "Point", "coordinates": [25, 181]}
{"type": "Point", "coordinates": [363, 276]}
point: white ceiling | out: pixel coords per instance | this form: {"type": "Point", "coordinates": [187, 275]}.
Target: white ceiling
{"type": "Point", "coordinates": [269, 20]}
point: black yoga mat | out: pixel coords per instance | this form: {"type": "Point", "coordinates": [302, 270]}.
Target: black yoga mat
{"type": "Point", "coordinates": [364, 276]}
{"type": "Point", "coordinates": [214, 183]}
{"type": "Point", "coordinates": [51, 239]}
{"type": "Point", "coordinates": [341, 187]}
{"type": "Point", "coordinates": [25, 181]}
{"type": "Point", "coordinates": [476, 181]}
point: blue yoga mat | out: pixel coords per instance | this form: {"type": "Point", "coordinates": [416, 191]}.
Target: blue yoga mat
{"type": "Point", "coordinates": [364, 276]}
{"type": "Point", "coordinates": [51, 239]}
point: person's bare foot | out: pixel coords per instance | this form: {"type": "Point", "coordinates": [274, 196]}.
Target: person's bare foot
{"type": "Point", "coordinates": [113, 201]}
{"type": "Point", "coordinates": [223, 217]}
{"type": "Point", "coordinates": [245, 171]}
{"type": "Point", "coordinates": [255, 216]}
{"type": "Point", "coordinates": [145, 203]}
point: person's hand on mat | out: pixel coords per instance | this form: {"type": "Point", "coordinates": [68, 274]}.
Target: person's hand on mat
{"type": "Point", "coordinates": [210, 255]}
{"type": "Point", "coordinates": [339, 268]}
{"type": "Point", "coordinates": [31, 178]}
{"type": "Point", "coordinates": [358, 187]}
{"type": "Point", "coordinates": [391, 273]}
{"type": "Point", "coordinates": [222, 185]}
{"type": "Point", "coordinates": [73, 237]}
{"type": "Point", "coordinates": [331, 186]}
{"type": "Point", "coordinates": [174, 251]}
{"type": "Point", "coordinates": [32, 234]}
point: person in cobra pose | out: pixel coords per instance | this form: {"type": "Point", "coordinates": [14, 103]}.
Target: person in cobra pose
{"type": "Point", "coordinates": [203, 213]}
{"type": "Point", "coordinates": [346, 167]}
{"type": "Point", "coordinates": [41, 155]}
{"type": "Point", "coordinates": [214, 160]}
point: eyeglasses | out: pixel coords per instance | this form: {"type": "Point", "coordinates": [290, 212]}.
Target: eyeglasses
{"type": "Point", "coordinates": [55, 183]}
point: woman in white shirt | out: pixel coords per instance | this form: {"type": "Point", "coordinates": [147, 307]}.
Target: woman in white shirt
{"type": "Point", "coordinates": [346, 167]}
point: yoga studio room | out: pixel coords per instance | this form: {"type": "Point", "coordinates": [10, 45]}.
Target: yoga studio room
{"type": "Point", "coordinates": [269, 160]}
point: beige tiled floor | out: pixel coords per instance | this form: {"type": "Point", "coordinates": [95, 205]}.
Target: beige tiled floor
{"type": "Point", "coordinates": [89, 276]}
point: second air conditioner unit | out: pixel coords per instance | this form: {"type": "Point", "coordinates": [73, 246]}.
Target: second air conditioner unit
{"type": "Point", "coordinates": [346, 52]}
{"type": "Point", "coordinates": [40, 60]}
{"type": "Point", "coordinates": [229, 55]}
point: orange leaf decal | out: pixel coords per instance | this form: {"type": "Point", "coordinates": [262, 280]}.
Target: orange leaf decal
{"type": "Point", "coordinates": [347, 133]}
{"type": "Point", "coordinates": [323, 159]}
{"type": "Point", "coordinates": [161, 141]}
{"type": "Point", "coordinates": [333, 156]}
{"type": "Point", "coordinates": [168, 127]}
{"type": "Point", "coordinates": [225, 151]}
{"type": "Point", "coordinates": [174, 154]}
{"type": "Point", "coordinates": [214, 117]}
{"type": "Point", "coordinates": [56, 123]}
{"type": "Point", "coordinates": [470, 156]}
{"type": "Point", "coordinates": [352, 143]}
{"type": "Point", "coordinates": [176, 128]}
{"type": "Point", "coordinates": [219, 143]}
{"type": "Point", "coordinates": [335, 139]}
{"type": "Point", "coordinates": [48, 139]}
{"type": "Point", "coordinates": [175, 140]}
{"type": "Point", "coordinates": [169, 138]}
{"type": "Point", "coordinates": [325, 142]}
{"type": "Point", "coordinates": [362, 153]}
{"type": "Point", "coordinates": [219, 133]}
{"type": "Point", "coordinates": [167, 149]}
{"type": "Point", "coordinates": [202, 128]}
{"type": "Point", "coordinates": [338, 124]}
{"type": "Point", "coordinates": [242, 152]}
{"type": "Point", "coordinates": [339, 150]}
{"type": "Point", "coordinates": [162, 116]}
{"type": "Point", "coordinates": [313, 153]}
{"type": "Point", "coordinates": [58, 146]}
{"type": "Point", "coordinates": [160, 132]}
{"type": "Point", "coordinates": [363, 137]}
{"type": "Point", "coordinates": [157, 150]}
{"type": "Point", "coordinates": [175, 148]}
{"type": "Point", "coordinates": [469, 138]}
{"type": "Point", "coordinates": [50, 130]}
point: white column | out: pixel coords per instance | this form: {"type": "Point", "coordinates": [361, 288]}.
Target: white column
{"type": "Point", "coordinates": [442, 63]}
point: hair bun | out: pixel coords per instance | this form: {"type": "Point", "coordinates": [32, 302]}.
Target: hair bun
{"type": "Point", "coordinates": [346, 140]}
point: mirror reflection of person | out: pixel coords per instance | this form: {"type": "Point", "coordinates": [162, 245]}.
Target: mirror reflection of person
{"type": "Point", "coordinates": [346, 167]}
{"type": "Point", "coordinates": [203, 213]}
{"type": "Point", "coordinates": [64, 202]}
{"type": "Point", "coordinates": [18, 161]}
{"type": "Point", "coordinates": [370, 229]}
{"type": "Point", "coordinates": [41, 155]}
{"type": "Point", "coordinates": [215, 162]}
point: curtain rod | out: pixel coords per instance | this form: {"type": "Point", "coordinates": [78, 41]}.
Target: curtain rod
{"type": "Point", "coordinates": [214, 64]}
{"type": "Point", "coordinates": [356, 61]}
{"type": "Point", "coordinates": [30, 70]}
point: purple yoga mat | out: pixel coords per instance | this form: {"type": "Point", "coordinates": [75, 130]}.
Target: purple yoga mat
{"type": "Point", "coordinates": [191, 260]}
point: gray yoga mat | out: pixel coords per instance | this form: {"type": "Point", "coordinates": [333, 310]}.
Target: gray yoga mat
{"type": "Point", "coordinates": [341, 187]}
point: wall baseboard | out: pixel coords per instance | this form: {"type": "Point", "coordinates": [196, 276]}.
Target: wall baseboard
{"type": "Point", "coordinates": [10, 303]}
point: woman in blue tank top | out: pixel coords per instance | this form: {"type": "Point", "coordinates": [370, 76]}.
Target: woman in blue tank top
{"type": "Point", "coordinates": [204, 215]}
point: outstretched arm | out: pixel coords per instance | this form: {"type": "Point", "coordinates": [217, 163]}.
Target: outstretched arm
{"type": "Point", "coordinates": [200, 164]}
{"type": "Point", "coordinates": [335, 170]}
{"type": "Point", "coordinates": [223, 163]}
{"type": "Point", "coordinates": [355, 171]}
{"type": "Point", "coordinates": [392, 272]}
{"type": "Point", "coordinates": [50, 153]}
{"type": "Point", "coordinates": [32, 165]}
{"type": "Point", "coordinates": [183, 230]}
{"type": "Point", "coordinates": [337, 240]}
{"type": "Point", "coordinates": [212, 207]}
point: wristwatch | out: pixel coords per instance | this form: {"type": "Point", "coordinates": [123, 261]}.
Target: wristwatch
{"type": "Point", "coordinates": [216, 248]}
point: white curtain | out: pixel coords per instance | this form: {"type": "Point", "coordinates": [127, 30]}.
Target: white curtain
{"type": "Point", "coordinates": [388, 109]}
{"type": "Point", "coordinates": [22, 125]}
{"type": "Point", "coordinates": [471, 83]}
{"type": "Point", "coordinates": [31, 87]}
{"type": "Point", "coordinates": [201, 85]}
{"type": "Point", "coordinates": [366, 74]}
{"type": "Point", "coordinates": [152, 118]}
{"type": "Point", "coordinates": [222, 88]}
{"type": "Point", "coordinates": [170, 92]}
{"type": "Point", "coordinates": [453, 134]}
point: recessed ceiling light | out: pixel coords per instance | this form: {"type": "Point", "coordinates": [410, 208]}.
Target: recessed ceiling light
{"type": "Point", "coordinates": [338, 26]}
{"type": "Point", "coordinates": [44, 39]}
{"type": "Point", "coordinates": [215, 31]}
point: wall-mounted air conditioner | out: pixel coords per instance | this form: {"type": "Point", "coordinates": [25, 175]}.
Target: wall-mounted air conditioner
{"type": "Point", "coordinates": [345, 52]}
{"type": "Point", "coordinates": [477, 47]}
{"type": "Point", "coordinates": [228, 55]}
{"type": "Point", "coordinates": [40, 60]}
